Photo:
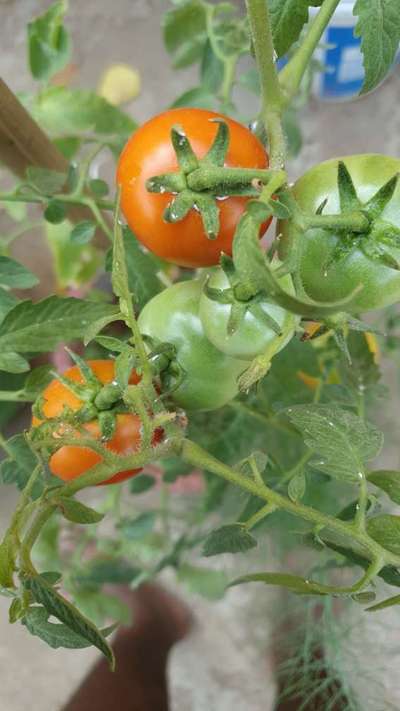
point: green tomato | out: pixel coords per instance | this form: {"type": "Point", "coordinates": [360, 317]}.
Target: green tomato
{"type": "Point", "coordinates": [323, 278]}
{"type": "Point", "coordinates": [253, 336]}
{"type": "Point", "coordinates": [210, 379]}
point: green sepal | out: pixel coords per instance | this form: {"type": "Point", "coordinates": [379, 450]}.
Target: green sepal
{"type": "Point", "coordinates": [166, 183]}
{"type": "Point", "coordinates": [187, 159]}
{"type": "Point", "coordinates": [260, 314]}
{"type": "Point", "coordinates": [236, 317]}
{"type": "Point", "coordinates": [341, 342]}
{"type": "Point", "coordinates": [347, 193]}
{"type": "Point", "coordinates": [376, 205]}
{"type": "Point", "coordinates": [108, 396]}
{"type": "Point", "coordinates": [217, 153]}
{"type": "Point", "coordinates": [107, 424]}
{"type": "Point", "coordinates": [222, 296]}
{"type": "Point", "coordinates": [80, 391]}
{"type": "Point", "coordinates": [321, 207]}
{"type": "Point", "coordinates": [209, 214]}
{"type": "Point", "coordinates": [179, 207]}
{"type": "Point", "coordinates": [87, 373]}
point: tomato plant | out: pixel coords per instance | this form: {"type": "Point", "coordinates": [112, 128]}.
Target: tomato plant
{"type": "Point", "coordinates": [249, 369]}
{"type": "Point", "coordinates": [173, 317]}
{"type": "Point", "coordinates": [149, 152]}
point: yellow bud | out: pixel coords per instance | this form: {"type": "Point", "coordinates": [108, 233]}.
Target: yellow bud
{"type": "Point", "coordinates": [119, 83]}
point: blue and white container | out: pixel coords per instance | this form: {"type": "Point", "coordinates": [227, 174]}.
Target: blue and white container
{"type": "Point", "coordinates": [343, 61]}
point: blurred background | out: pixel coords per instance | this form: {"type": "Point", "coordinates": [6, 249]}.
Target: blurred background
{"type": "Point", "coordinates": [332, 123]}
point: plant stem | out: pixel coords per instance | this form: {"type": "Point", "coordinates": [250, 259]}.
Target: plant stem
{"type": "Point", "coordinates": [212, 177]}
{"type": "Point", "coordinates": [291, 75]}
{"type": "Point", "coordinates": [39, 521]}
{"type": "Point", "coordinates": [259, 515]}
{"type": "Point", "coordinates": [69, 199]}
{"type": "Point", "coordinates": [200, 458]}
{"type": "Point", "coordinates": [350, 222]}
{"type": "Point", "coordinates": [271, 95]}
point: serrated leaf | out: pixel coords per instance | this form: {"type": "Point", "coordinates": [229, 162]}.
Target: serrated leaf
{"type": "Point", "coordinates": [15, 275]}
{"type": "Point", "coordinates": [37, 380]}
{"type": "Point", "coordinates": [140, 484]}
{"type": "Point", "coordinates": [385, 529]}
{"type": "Point", "coordinates": [211, 584]}
{"type": "Point", "coordinates": [48, 182]}
{"type": "Point", "coordinates": [83, 232]}
{"type": "Point", "coordinates": [49, 44]}
{"type": "Point", "coordinates": [379, 28]}
{"type": "Point", "coordinates": [231, 538]}
{"type": "Point", "coordinates": [294, 583]}
{"type": "Point", "coordinates": [198, 97]}
{"type": "Point", "coordinates": [77, 512]}
{"type": "Point", "coordinates": [56, 605]}
{"type": "Point", "coordinates": [7, 303]}
{"type": "Point", "coordinates": [389, 602]}
{"type": "Point", "coordinates": [13, 363]}
{"type": "Point", "coordinates": [342, 440]}
{"type": "Point", "coordinates": [55, 212]}
{"type": "Point", "coordinates": [98, 187]}
{"type": "Point", "coordinates": [54, 634]}
{"type": "Point", "coordinates": [142, 270]}
{"type": "Point", "coordinates": [136, 528]}
{"type": "Point", "coordinates": [19, 465]}
{"type": "Point", "coordinates": [297, 487]}
{"type": "Point", "coordinates": [15, 610]}
{"type": "Point", "coordinates": [184, 31]}
{"type": "Point", "coordinates": [211, 70]}
{"type": "Point", "coordinates": [288, 18]}
{"type": "Point", "coordinates": [39, 327]}
{"type": "Point", "coordinates": [60, 111]}
{"type": "Point", "coordinates": [99, 572]}
{"type": "Point", "coordinates": [387, 480]}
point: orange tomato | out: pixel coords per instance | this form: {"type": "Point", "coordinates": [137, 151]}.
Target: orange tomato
{"type": "Point", "coordinates": [149, 152]}
{"type": "Point", "coordinates": [71, 461]}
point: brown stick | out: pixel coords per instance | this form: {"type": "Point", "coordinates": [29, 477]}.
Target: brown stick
{"type": "Point", "coordinates": [23, 143]}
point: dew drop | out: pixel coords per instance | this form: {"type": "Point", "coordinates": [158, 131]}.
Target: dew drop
{"type": "Point", "coordinates": [325, 274]}
{"type": "Point", "coordinates": [360, 475]}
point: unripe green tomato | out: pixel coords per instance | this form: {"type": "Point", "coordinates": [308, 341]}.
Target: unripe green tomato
{"type": "Point", "coordinates": [253, 336]}
{"type": "Point", "coordinates": [210, 376]}
{"type": "Point", "coordinates": [323, 279]}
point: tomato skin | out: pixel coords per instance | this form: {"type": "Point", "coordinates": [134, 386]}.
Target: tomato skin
{"type": "Point", "coordinates": [70, 462]}
{"type": "Point", "coordinates": [211, 376]}
{"type": "Point", "coordinates": [253, 336]}
{"type": "Point", "coordinates": [149, 152]}
{"type": "Point", "coordinates": [381, 284]}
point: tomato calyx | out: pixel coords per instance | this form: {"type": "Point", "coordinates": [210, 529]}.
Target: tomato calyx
{"type": "Point", "coordinates": [200, 182]}
{"type": "Point", "coordinates": [163, 359]}
{"type": "Point", "coordinates": [360, 224]}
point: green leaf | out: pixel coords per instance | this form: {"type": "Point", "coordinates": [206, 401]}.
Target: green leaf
{"type": "Point", "coordinates": [184, 30]}
{"type": "Point", "coordinates": [74, 264]}
{"type": "Point", "coordinates": [83, 232]}
{"type": "Point", "coordinates": [389, 602]}
{"type": "Point", "coordinates": [385, 529]}
{"type": "Point", "coordinates": [142, 270]}
{"type": "Point", "coordinates": [56, 605]}
{"type": "Point", "coordinates": [211, 584]}
{"type": "Point", "coordinates": [297, 487]}
{"type": "Point", "coordinates": [55, 212]}
{"type": "Point", "coordinates": [36, 381]}
{"type": "Point", "coordinates": [199, 97]}
{"type": "Point", "coordinates": [343, 441]}
{"type": "Point", "coordinates": [77, 512]}
{"type": "Point", "coordinates": [6, 565]}
{"type": "Point", "coordinates": [19, 465]}
{"type": "Point", "coordinates": [99, 606]}
{"type": "Point", "coordinates": [136, 528]}
{"type": "Point", "coordinates": [61, 111]}
{"type": "Point", "coordinates": [379, 28]}
{"type": "Point", "coordinates": [288, 18]}
{"type": "Point", "coordinates": [48, 182]}
{"type": "Point", "coordinates": [15, 611]}
{"type": "Point", "coordinates": [99, 572]}
{"type": "Point", "coordinates": [49, 45]}
{"type": "Point", "coordinates": [387, 480]}
{"type": "Point", "coordinates": [292, 582]}
{"type": "Point", "coordinates": [98, 187]}
{"type": "Point", "coordinates": [7, 302]}
{"type": "Point", "coordinates": [13, 363]}
{"type": "Point", "coordinates": [140, 484]}
{"type": "Point", "coordinates": [231, 538]}
{"type": "Point", "coordinates": [39, 327]}
{"type": "Point", "coordinates": [15, 275]}
{"type": "Point", "coordinates": [54, 634]}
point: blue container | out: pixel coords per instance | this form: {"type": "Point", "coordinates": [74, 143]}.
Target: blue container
{"type": "Point", "coordinates": [343, 61]}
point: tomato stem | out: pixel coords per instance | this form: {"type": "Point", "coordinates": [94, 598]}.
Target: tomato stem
{"type": "Point", "coordinates": [291, 75]}
{"type": "Point", "coordinates": [271, 94]}
{"type": "Point", "coordinates": [348, 222]}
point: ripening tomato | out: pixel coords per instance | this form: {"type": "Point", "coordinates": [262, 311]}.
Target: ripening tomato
{"type": "Point", "coordinates": [69, 462]}
{"type": "Point", "coordinates": [149, 152]}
